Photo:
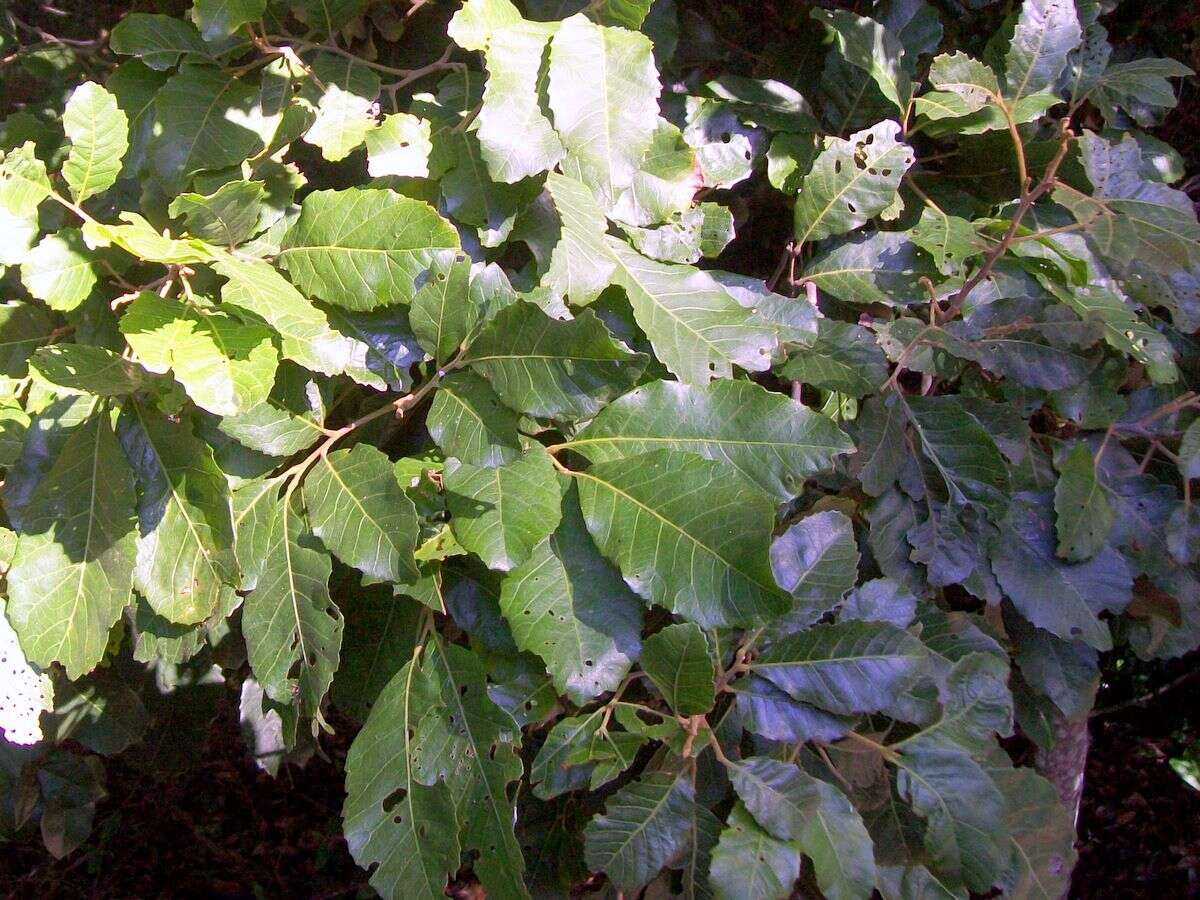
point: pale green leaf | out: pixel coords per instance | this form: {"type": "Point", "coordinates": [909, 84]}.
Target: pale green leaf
{"type": "Point", "coordinates": [220, 18]}
{"type": "Point", "coordinates": [227, 216]}
{"type": "Point", "coordinates": [99, 134]}
{"type": "Point", "coordinates": [678, 661]}
{"type": "Point", "coordinates": [399, 146]}
{"type": "Point", "coordinates": [1046, 32]}
{"type": "Point", "coordinates": [59, 270]}
{"type": "Point", "coordinates": [226, 366]}
{"type": "Point", "coordinates": [748, 863]}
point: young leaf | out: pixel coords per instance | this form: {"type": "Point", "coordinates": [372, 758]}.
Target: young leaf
{"type": "Point", "coordinates": [684, 535]}
{"type": "Point", "coordinates": [357, 509]}
{"type": "Point", "coordinates": [99, 135]}
{"type": "Point", "coordinates": [569, 606]}
{"type": "Point", "coordinates": [678, 661]}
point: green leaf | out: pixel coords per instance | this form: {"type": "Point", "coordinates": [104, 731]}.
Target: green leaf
{"type": "Point", "coordinates": [380, 635]}
{"type": "Point", "coordinates": [685, 535]}
{"type": "Point", "coordinates": [307, 333]}
{"type": "Point", "coordinates": [950, 240]}
{"type": "Point", "coordinates": [851, 182]}
{"type": "Point", "coordinates": [442, 312]}
{"type": "Point", "coordinates": [1127, 216]}
{"type": "Point", "coordinates": [603, 90]}
{"type": "Point", "coordinates": [871, 47]}
{"type": "Point", "coordinates": [698, 329]}
{"type": "Point", "coordinates": [501, 514]}
{"type": "Point", "coordinates": [516, 137]}
{"type": "Point", "coordinates": [963, 812]}
{"type": "Point", "coordinates": [541, 366]}
{"type": "Point", "coordinates": [328, 16]}
{"type": "Point", "coordinates": [399, 146]}
{"type": "Point", "coordinates": [850, 667]}
{"type": "Point", "coordinates": [772, 441]}
{"type": "Point", "coordinates": [581, 265]}
{"type": "Point", "coordinates": [72, 573]}
{"type": "Point", "coordinates": [404, 822]}
{"type": "Point", "coordinates": [59, 270]}
{"type": "Point", "coordinates": [158, 41]}
{"type": "Point", "coordinates": [220, 18]}
{"type": "Point", "coordinates": [748, 863]}
{"type": "Point", "coordinates": [1041, 834]}
{"type": "Point", "coordinates": [99, 134]}
{"type": "Point", "coordinates": [1063, 598]}
{"type": "Point", "coordinates": [1189, 452]}
{"type": "Point", "coordinates": [23, 186]}
{"type": "Point", "coordinates": [963, 452]}
{"type": "Point", "coordinates": [678, 661]}
{"type": "Point", "coordinates": [569, 606]}
{"type": "Point", "coordinates": [643, 827]}
{"type": "Point", "coordinates": [970, 80]}
{"type": "Point", "coordinates": [343, 121]}
{"type": "Point", "coordinates": [844, 358]}
{"type": "Point", "coordinates": [203, 116]}
{"type": "Point", "coordinates": [23, 328]}
{"type": "Point", "coordinates": [227, 216]}
{"type": "Point", "coordinates": [363, 248]}
{"type": "Point", "coordinates": [358, 510]}
{"type": "Point", "coordinates": [87, 369]}
{"type": "Point", "coordinates": [468, 421]}
{"type": "Point", "coordinates": [816, 561]}
{"type": "Point", "coordinates": [1084, 517]}
{"type": "Point", "coordinates": [878, 267]}
{"type": "Point", "coordinates": [186, 566]}
{"type": "Point", "coordinates": [226, 366]}
{"type": "Point", "coordinates": [793, 805]}
{"type": "Point", "coordinates": [292, 628]}
{"type": "Point", "coordinates": [1046, 32]}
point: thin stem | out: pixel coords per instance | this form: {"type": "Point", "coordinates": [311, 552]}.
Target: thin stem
{"type": "Point", "coordinates": [717, 751]}
{"type": "Point", "coordinates": [886, 752]}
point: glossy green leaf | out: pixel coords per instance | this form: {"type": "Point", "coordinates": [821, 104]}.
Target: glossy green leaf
{"type": "Point", "coordinates": [771, 441]}
{"type": "Point", "coordinates": [546, 367]}
{"type": "Point", "coordinates": [501, 514]}
{"type": "Point", "coordinates": [850, 667]}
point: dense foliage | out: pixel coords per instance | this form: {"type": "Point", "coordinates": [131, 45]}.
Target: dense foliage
{"type": "Point", "coordinates": [402, 387]}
